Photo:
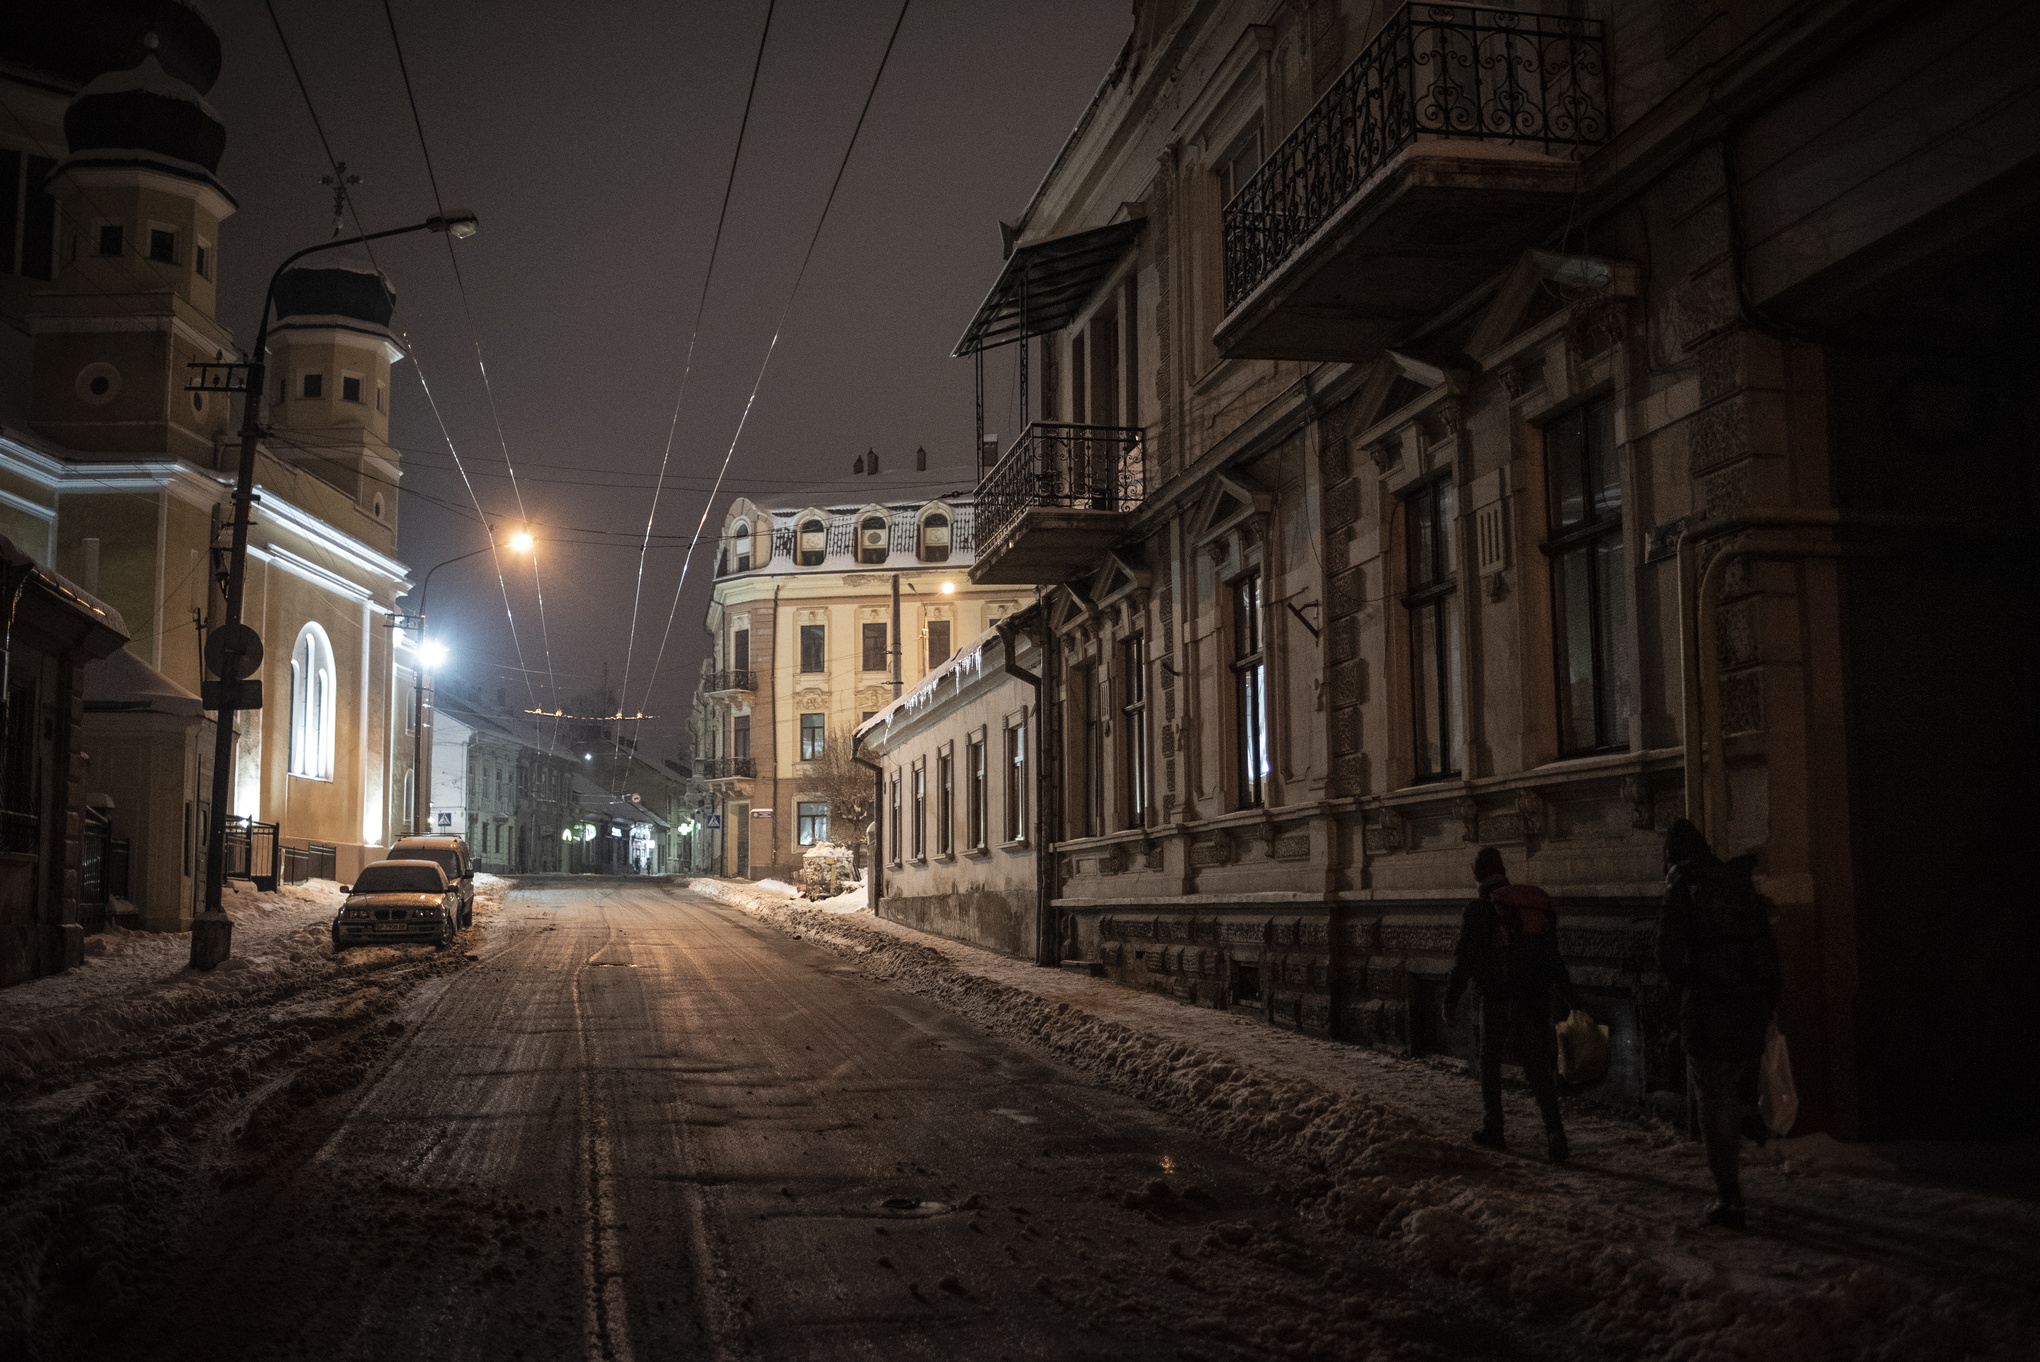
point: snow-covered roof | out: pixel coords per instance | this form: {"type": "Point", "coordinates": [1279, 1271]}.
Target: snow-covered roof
{"type": "Point", "coordinates": [964, 666]}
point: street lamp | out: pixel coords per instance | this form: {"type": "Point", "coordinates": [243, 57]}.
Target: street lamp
{"type": "Point", "coordinates": [212, 933]}
{"type": "Point", "coordinates": [432, 653]}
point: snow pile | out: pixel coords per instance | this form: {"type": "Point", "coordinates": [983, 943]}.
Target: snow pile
{"type": "Point", "coordinates": [1842, 1264]}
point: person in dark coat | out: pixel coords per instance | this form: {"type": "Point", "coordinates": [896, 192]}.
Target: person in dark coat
{"type": "Point", "coordinates": [1508, 949]}
{"type": "Point", "coordinates": [1715, 945]}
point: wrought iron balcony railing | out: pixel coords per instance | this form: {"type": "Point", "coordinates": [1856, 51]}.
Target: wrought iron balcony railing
{"type": "Point", "coordinates": [736, 678]}
{"type": "Point", "coordinates": [728, 768]}
{"type": "Point", "coordinates": [1090, 468]}
{"type": "Point", "coordinates": [1445, 71]}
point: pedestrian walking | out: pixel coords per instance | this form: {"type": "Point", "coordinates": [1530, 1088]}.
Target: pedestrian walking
{"type": "Point", "coordinates": [1715, 945]}
{"type": "Point", "coordinates": [1508, 949]}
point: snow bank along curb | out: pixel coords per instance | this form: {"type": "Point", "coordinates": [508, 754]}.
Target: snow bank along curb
{"type": "Point", "coordinates": [1605, 1269]}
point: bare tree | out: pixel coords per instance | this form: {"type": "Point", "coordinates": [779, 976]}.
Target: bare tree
{"type": "Point", "coordinates": [845, 787]}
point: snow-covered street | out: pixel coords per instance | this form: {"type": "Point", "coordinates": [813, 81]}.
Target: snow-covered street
{"type": "Point", "coordinates": [626, 1119]}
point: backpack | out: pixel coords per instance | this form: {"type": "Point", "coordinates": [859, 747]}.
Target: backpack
{"type": "Point", "coordinates": [1729, 938]}
{"type": "Point", "coordinates": [1524, 922]}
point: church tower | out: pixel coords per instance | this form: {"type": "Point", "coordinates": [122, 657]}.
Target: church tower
{"type": "Point", "coordinates": [330, 352]}
{"type": "Point", "coordinates": [134, 297]}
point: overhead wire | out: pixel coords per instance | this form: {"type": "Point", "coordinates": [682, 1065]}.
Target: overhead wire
{"type": "Point", "coordinates": [771, 348]}
{"type": "Point", "coordinates": [687, 367]}
{"type": "Point", "coordinates": [481, 364]}
{"type": "Point", "coordinates": [311, 108]}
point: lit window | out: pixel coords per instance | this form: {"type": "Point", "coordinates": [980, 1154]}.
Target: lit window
{"type": "Point", "coordinates": [1250, 690]}
{"type": "Point", "coordinates": [314, 694]}
{"type": "Point", "coordinates": [1016, 782]}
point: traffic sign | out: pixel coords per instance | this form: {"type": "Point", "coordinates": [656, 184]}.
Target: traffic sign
{"type": "Point", "coordinates": [714, 820]}
{"type": "Point", "coordinates": [243, 642]}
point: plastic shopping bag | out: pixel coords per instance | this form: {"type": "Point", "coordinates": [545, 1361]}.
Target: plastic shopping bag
{"type": "Point", "coordinates": [1583, 1049]}
{"type": "Point", "coordinates": [1777, 1098]}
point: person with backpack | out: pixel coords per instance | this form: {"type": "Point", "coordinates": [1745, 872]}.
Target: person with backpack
{"type": "Point", "coordinates": [1715, 945]}
{"type": "Point", "coordinates": [1508, 949]}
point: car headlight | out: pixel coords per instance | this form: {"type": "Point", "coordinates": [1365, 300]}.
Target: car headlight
{"type": "Point", "coordinates": [355, 913]}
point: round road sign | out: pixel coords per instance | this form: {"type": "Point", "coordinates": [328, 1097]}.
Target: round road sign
{"type": "Point", "coordinates": [243, 642]}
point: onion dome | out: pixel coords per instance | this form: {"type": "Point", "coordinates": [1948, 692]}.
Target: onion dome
{"type": "Point", "coordinates": [148, 114]}
{"type": "Point", "coordinates": [351, 295]}
{"type": "Point", "coordinates": [79, 39]}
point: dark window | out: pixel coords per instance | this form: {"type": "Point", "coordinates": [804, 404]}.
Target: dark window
{"type": "Point", "coordinates": [10, 207]}
{"type": "Point", "coordinates": [112, 238]}
{"type": "Point", "coordinates": [920, 811]}
{"type": "Point", "coordinates": [813, 647]}
{"type": "Point", "coordinates": [201, 260]}
{"type": "Point", "coordinates": [893, 822]}
{"type": "Point", "coordinates": [1430, 522]}
{"type": "Point", "coordinates": [1016, 783]}
{"type": "Point", "coordinates": [740, 736]}
{"type": "Point", "coordinates": [974, 810]}
{"type": "Point", "coordinates": [938, 643]}
{"type": "Point", "coordinates": [1250, 692]}
{"type": "Point", "coordinates": [945, 804]}
{"type": "Point", "coordinates": [162, 246]}
{"type": "Point", "coordinates": [869, 715]}
{"type": "Point", "coordinates": [813, 545]}
{"type": "Point", "coordinates": [1088, 683]}
{"type": "Point", "coordinates": [814, 823]}
{"type": "Point", "coordinates": [350, 388]}
{"type": "Point", "coordinates": [935, 538]}
{"type": "Point", "coordinates": [872, 545]}
{"type": "Point", "coordinates": [315, 385]}
{"type": "Point", "coordinates": [874, 648]}
{"type": "Point", "coordinates": [740, 650]}
{"type": "Point", "coordinates": [1133, 733]}
{"type": "Point", "coordinates": [1589, 581]}
{"type": "Point", "coordinates": [1239, 164]}
{"type": "Point", "coordinates": [811, 737]}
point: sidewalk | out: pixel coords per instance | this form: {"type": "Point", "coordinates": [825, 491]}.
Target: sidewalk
{"type": "Point", "coordinates": [1846, 1258]}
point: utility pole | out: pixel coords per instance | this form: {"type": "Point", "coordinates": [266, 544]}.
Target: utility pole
{"type": "Point", "coordinates": [239, 651]}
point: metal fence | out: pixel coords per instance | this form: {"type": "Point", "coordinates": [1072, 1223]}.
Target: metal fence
{"type": "Point", "coordinates": [736, 678]}
{"type": "Point", "coordinates": [725, 768]}
{"type": "Point", "coordinates": [1094, 468]}
{"type": "Point", "coordinates": [1433, 70]}
{"type": "Point", "coordinates": [313, 861]}
{"type": "Point", "coordinates": [251, 852]}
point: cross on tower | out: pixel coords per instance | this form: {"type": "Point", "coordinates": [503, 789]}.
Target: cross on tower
{"type": "Point", "coordinates": [340, 182]}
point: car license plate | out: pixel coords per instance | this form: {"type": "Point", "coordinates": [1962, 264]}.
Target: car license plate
{"type": "Point", "coordinates": [393, 926]}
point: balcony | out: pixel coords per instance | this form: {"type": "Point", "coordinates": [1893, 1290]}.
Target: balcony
{"type": "Point", "coordinates": [1446, 149]}
{"type": "Point", "coordinates": [1061, 495]}
{"type": "Point", "coordinates": [730, 682]}
{"type": "Point", "coordinates": [728, 768]}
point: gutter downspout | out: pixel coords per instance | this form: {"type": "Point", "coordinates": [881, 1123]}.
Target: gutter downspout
{"type": "Point", "coordinates": [1047, 941]}
{"type": "Point", "coordinates": [1699, 627]}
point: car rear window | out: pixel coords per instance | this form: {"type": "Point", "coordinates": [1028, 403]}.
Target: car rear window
{"type": "Point", "coordinates": [395, 877]}
{"type": "Point", "coordinates": [446, 858]}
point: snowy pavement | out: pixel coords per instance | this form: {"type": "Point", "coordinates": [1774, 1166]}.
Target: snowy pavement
{"type": "Point", "coordinates": [133, 1088]}
{"type": "Point", "coordinates": [1847, 1258]}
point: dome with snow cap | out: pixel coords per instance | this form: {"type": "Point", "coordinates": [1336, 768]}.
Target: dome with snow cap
{"type": "Point", "coordinates": [336, 289]}
{"type": "Point", "coordinates": [146, 110]}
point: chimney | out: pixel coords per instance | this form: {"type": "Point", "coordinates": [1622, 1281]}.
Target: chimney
{"type": "Point", "coordinates": [858, 467]}
{"type": "Point", "coordinates": [921, 460]}
{"type": "Point", "coordinates": [871, 462]}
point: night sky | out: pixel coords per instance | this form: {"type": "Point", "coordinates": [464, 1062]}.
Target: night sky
{"type": "Point", "coordinates": [594, 140]}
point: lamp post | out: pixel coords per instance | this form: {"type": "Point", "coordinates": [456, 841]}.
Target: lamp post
{"type": "Point", "coordinates": [431, 654]}
{"type": "Point", "coordinates": [212, 934]}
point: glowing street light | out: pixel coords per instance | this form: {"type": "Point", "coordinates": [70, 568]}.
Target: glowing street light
{"type": "Point", "coordinates": [432, 653]}
{"type": "Point", "coordinates": [522, 541]}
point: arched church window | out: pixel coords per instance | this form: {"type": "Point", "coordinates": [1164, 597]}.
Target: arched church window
{"type": "Point", "coordinates": [314, 704]}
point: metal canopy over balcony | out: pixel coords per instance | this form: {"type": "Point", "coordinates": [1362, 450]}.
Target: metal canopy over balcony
{"type": "Point", "coordinates": [1045, 285]}
{"type": "Point", "coordinates": [1448, 146]}
{"type": "Point", "coordinates": [1061, 495]}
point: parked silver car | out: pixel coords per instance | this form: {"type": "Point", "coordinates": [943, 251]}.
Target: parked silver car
{"type": "Point", "coordinates": [451, 855]}
{"type": "Point", "coordinates": [397, 901]}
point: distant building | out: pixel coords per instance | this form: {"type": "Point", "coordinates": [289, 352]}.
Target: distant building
{"type": "Point", "coordinates": [805, 650]}
{"type": "Point", "coordinates": [491, 784]}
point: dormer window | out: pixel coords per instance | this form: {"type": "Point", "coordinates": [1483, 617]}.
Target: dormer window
{"type": "Point", "coordinates": [112, 238]}
{"type": "Point", "coordinates": [935, 538]}
{"type": "Point", "coordinates": [314, 385]}
{"type": "Point", "coordinates": [201, 260]}
{"type": "Point", "coordinates": [741, 533]}
{"type": "Point", "coordinates": [813, 545]}
{"type": "Point", "coordinates": [350, 387]}
{"type": "Point", "coordinates": [871, 540]}
{"type": "Point", "coordinates": [162, 246]}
